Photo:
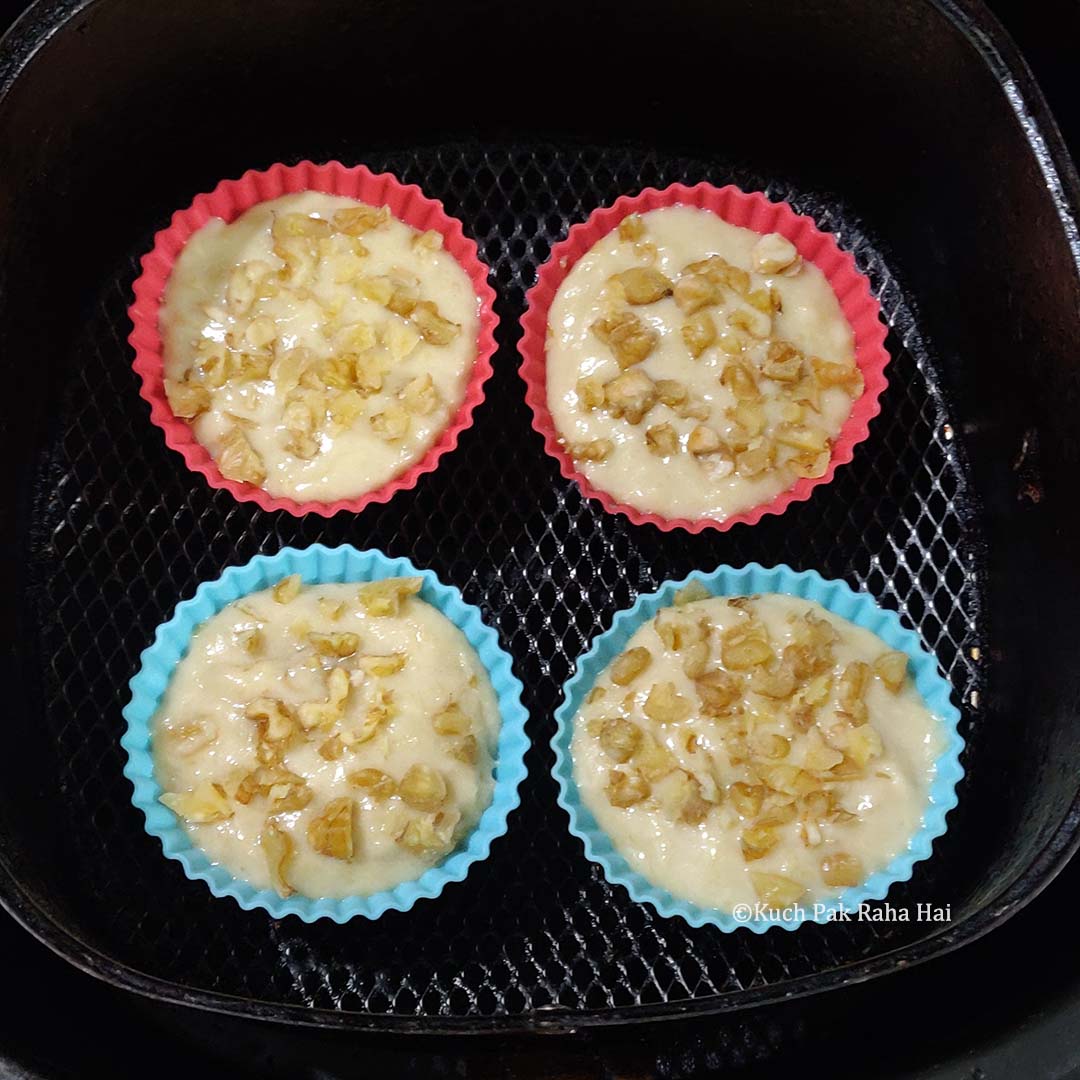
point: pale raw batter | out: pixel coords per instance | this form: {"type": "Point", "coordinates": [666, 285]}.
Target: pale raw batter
{"type": "Point", "coordinates": [318, 346]}
{"type": "Point", "coordinates": [436, 714]}
{"type": "Point", "coordinates": [724, 794]}
{"type": "Point", "coordinates": [707, 380]}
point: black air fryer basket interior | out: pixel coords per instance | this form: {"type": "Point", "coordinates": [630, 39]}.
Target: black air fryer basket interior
{"type": "Point", "coordinates": [896, 126]}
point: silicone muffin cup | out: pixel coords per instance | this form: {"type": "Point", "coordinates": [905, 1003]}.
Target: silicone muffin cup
{"type": "Point", "coordinates": [840, 599]}
{"type": "Point", "coordinates": [749, 210]}
{"type": "Point", "coordinates": [319, 565]}
{"type": "Point", "coordinates": [228, 201]}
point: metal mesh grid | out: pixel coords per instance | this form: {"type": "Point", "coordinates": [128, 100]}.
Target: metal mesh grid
{"type": "Point", "coordinates": [124, 531]}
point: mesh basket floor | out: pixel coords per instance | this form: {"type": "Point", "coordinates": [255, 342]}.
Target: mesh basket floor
{"type": "Point", "coordinates": [124, 531]}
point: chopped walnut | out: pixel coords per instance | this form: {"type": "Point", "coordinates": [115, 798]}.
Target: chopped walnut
{"type": "Point", "coordinates": [193, 736]}
{"type": "Point", "coordinates": [773, 253]}
{"type": "Point", "coordinates": [267, 781]}
{"type": "Point", "coordinates": [778, 682]}
{"type": "Point", "coordinates": [696, 659]}
{"type": "Point", "coordinates": [787, 779]}
{"type": "Point", "coordinates": [593, 450]}
{"type": "Point", "coordinates": [746, 798]}
{"type": "Point", "coordinates": [751, 321]}
{"type": "Point", "coordinates": [644, 285]}
{"type": "Point", "coordinates": [840, 869]}
{"type": "Point", "coordinates": [718, 270]}
{"type": "Point", "coordinates": [750, 416]}
{"type": "Point", "coordinates": [357, 220]}
{"type": "Point", "coordinates": [691, 593]}
{"type": "Point", "coordinates": [382, 667]}
{"type": "Point", "coordinates": [287, 589]}
{"type": "Point", "coordinates": [627, 788]}
{"type": "Point", "coordinates": [420, 396]}
{"type": "Point", "coordinates": [771, 746]}
{"type": "Point", "coordinates": [238, 460]}
{"type": "Point", "coordinates": [862, 745]}
{"type": "Point", "coordinates": [704, 440]}
{"type": "Point", "coordinates": [671, 392]}
{"type": "Point", "coordinates": [345, 408]}
{"type": "Point", "coordinates": [332, 749]}
{"type": "Point", "coordinates": [428, 835]}
{"type": "Point", "coordinates": [451, 720]}
{"type": "Point", "coordinates": [719, 692]}
{"type": "Point", "coordinates": [738, 377]}
{"type": "Point", "coordinates": [631, 228]}
{"type": "Point", "coordinates": [619, 738]}
{"type": "Point", "coordinates": [433, 327]}
{"type": "Point", "coordinates": [401, 339]}
{"type": "Point", "coordinates": [783, 362]}
{"type": "Point", "coordinates": [831, 373]}
{"type": "Point", "coordinates": [665, 706]}
{"type": "Point", "coordinates": [745, 646]}
{"type": "Point", "coordinates": [332, 609]}
{"type": "Point", "coordinates": [331, 833]}
{"type": "Point", "coordinates": [631, 396]}
{"type": "Point", "coordinates": [374, 782]}
{"type": "Point", "coordinates": [662, 439]}
{"type": "Point", "coordinates": [406, 290]}
{"type": "Point", "coordinates": [295, 225]}
{"type": "Point", "coordinates": [754, 461]}
{"type": "Point", "coordinates": [347, 266]}
{"type": "Point", "coordinates": [683, 800]}
{"type": "Point", "coordinates": [423, 788]}
{"type": "Point", "coordinates": [277, 846]}
{"type": "Point", "coordinates": [627, 667]}
{"type": "Point", "coordinates": [757, 841]}
{"type": "Point", "coordinates": [776, 890]}
{"type": "Point", "coordinates": [810, 465]}
{"type": "Point", "coordinates": [818, 756]}
{"type": "Point", "coordinates": [851, 690]}
{"type": "Point", "coordinates": [260, 332]}
{"type": "Point", "coordinates": [590, 392]}
{"type": "Point", "coordinates": [392, 424]}
{"type": "Point", "coordinates": [274, 719]}
{"type": "Point", "coordinates": [373, 722]}
{"type": "Point", "coordinates": [286, 798]}
{"type": "Point", "coordinates": [695, 291]}
{"type": "Point", "coordinates": [806, 439]}
{"type": "Point", "coordinates": [339, 645]}
{"type": "Point", "coordinates": [765, 299]}
{"type": "Point", "coordinates": [653, 759]}
{"type": "Point", "coordinates": [206, 802]}
{"type": "Point", "coordinates": [380, 289]}
{"type": "Point", "coordinates": [698, 332]}
{"type": "Point", "coordinates": [316, 714]}
{"type": "Point", "coordinates": [465, 749]}
{"type": "Point", "coordinates": [383, 598]}
{"type": "Point", "coordinates": [186, 399]}
{"type": "Point", "coordinates": [368, 373]}
{"type": "Point", "coordinates": [629, 339]}
{"type": "Point", "coordinates": [791, 412]}
{"type": "Point", "coordinates": [430, 240]}
{"type": "Point", "coordinates": [891, 669]}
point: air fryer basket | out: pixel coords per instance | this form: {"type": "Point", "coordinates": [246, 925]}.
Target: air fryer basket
{"type": "Point", "coordinates": [900, 128]}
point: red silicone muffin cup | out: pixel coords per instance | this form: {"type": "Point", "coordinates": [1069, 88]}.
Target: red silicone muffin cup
{"type": "Point", "coordinates": [750, 210]}
{"type": "Point", "coordinates": [228, 201]}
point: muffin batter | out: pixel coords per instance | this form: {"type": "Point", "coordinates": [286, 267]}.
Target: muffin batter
{"type": "Point", "coordinates": [696, 369]}
{"type": "Point", "coordinates": [318, 346]}
{"type": "Point", "coordinates": [333, 740]}
{"type": "Point", "coordinates": [755, 749]}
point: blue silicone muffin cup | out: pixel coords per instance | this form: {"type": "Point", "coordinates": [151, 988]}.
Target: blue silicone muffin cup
{"type": "Point", "coordinates": [319, 565]}
{"type": "Point", "coordinates": [838, 598]}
